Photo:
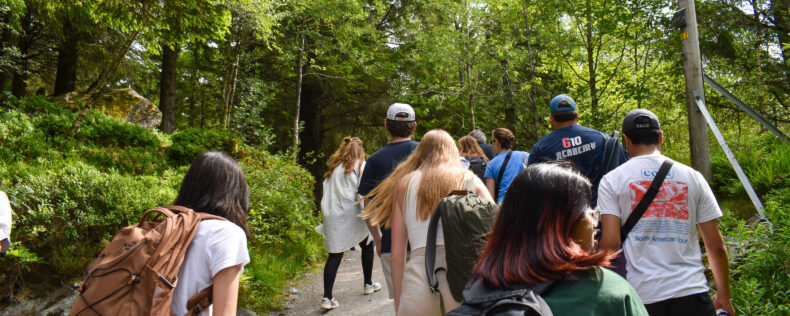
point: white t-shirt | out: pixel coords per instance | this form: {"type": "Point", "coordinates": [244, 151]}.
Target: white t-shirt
{"type": "Point", "coordinates": [5, 222]}
{"type": "Point", "coordinates": [663, 253]}
{"type": "Point", "coordinates": [217, 245]}
{"type": "Point", "coordinates": [342, 228]}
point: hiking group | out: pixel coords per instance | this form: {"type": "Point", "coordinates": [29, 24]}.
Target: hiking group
{"type": "Point", "coordinates": [482, 229]}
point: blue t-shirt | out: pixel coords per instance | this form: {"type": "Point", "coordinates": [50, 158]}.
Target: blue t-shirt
{"type": "Point", "coordinates": [377, 168]}
{"type": "Point", "coordinates": [513, 168]}
{"type": "Point", "coordinates": [581, 145]}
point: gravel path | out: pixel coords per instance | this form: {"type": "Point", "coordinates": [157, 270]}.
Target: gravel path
{"type": "Point", "coordinates": [305, 296]}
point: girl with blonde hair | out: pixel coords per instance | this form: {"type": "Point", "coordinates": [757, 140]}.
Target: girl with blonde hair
{"type": "Point", "coordinates": [342, 227]}
{"type": "Point", "coordinates": [405, 201]}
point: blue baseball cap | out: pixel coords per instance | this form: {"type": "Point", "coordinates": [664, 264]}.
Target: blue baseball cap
{"type": "Point", "coordinates": [562, 103]}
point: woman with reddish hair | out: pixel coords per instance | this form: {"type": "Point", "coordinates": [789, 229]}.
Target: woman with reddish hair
{"type": "Point", "coordinates": [543, 238]}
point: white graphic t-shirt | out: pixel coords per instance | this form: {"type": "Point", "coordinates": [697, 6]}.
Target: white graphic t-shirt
{"type": "Point", "coordinates": [663, 253]}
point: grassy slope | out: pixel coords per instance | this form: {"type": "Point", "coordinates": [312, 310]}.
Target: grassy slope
{"type": "Point", "coordinates": [70, 195]}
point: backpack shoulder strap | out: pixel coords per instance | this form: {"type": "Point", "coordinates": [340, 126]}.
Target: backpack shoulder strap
{"type": "Point", "coordinates": [501, 173]}
{"type": "Point", "coordinates": [430, 251]}
{"type": "Point", "coordinates": [200, 302]}
{"type": "Point", "coordinates": [644, 203]}
{"type": "Point", "coordinates": [610, 149]}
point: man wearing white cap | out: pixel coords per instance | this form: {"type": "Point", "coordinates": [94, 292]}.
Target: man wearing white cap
{"type": "Point", "coordinates": [400, 124]}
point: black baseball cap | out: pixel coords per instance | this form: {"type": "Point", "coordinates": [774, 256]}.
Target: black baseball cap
{"type": "Point", "coordinates": [640, 119]}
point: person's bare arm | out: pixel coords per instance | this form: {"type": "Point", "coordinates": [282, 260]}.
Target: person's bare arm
{"type": "Point", "coordinates": [490, 182]}
{"type": "Point", "coordinates": [482, 190]}
{"type": "Point", "coordinates": [226, 290]}
{"type": "Point", "coordinates": [375, 231]}
{"type": "Point", "coordinates": [719, 263]}
{"type": "Point", "coordinates": [610, 228]}
{"type": "Point", "coordinates": [400, 239]}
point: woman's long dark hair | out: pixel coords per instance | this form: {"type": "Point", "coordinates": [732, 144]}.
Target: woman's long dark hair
{"type": "Point", "coordinates": [531, 239]}
{"type": "Point", "coordinates": [215, 184]}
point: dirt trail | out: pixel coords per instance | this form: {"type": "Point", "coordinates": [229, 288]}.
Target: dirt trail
{"type": "Point", "coordinates": [347, 290]}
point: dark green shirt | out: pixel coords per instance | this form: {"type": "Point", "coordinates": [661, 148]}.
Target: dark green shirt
{"type": "Point", "coordinates": [596, 292]}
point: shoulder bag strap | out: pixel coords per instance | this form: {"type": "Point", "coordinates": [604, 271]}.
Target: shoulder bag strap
{"type": "Point", "coordinates": [199, 302]}
{"type": "Point", "coordinates": [640, 208]}
{"type": "Point", "coordinates": [499, 177]}
{"type": "Point", "coordinates": [430, 252]}
{"type": "Point", "coordinates": [609, 151]}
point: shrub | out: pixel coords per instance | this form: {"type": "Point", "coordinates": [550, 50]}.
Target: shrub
{"type": "Point", "coordinates": [765, 162]}
{"type": "Point", "coordinates": [66, 211]}
{"type": "Point", "coordinates": [189, 143]}
{"type": "Point", "coordinates": [281, 222]}
{"type": "Point", "coordinates": [109, 131]}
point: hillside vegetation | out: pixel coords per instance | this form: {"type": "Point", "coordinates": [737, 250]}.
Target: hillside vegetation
{"type": "Point", "coordinates": [70, 196]}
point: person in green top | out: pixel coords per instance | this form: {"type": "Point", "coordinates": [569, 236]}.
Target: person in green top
{"type": "Point", "coordinates": [544, 235]}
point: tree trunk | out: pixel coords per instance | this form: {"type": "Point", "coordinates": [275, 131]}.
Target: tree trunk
{"type": "Point", "coordinates": [167, 88]}
{"type": "Point", "coordinates": [101, 83]}
{"type": "Point", "coordinates": [536, 121]}
{"type": "Point", "coordinates": [68, 54]}
{"type": "Point", "coordinates": [230, 88]}
{"type": "Point", "coordinates": [108, 73]}
{"type": "Point", "coordinates": [591, 65]}
{"type": "Point", "coordinates": [298, 101]}
{"type": "Point", "coordinates": [20, 75]}
{"type": "Point", "coordinates": [5, 74]}
{"type": "Point", "coordinates": [781, 13]}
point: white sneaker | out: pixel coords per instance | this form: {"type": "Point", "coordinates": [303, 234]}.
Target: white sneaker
{"type": "Point", "coordinates": [372, 288]}
{"type": "Point", "coordinates": [329, 304]}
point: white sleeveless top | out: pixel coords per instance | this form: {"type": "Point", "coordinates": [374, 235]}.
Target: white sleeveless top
{"type": "Point", "coordinates": [417, 229]}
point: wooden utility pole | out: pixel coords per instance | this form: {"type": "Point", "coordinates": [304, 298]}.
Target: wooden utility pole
{"type": "Point", "coordinates": [699, 145]}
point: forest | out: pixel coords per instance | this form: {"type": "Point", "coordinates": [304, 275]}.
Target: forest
{"type": "Point", "coordinates": [279, 83]}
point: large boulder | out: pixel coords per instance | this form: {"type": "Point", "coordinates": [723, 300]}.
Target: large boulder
{"type": "Point", "coordinates": [125, 104]}
{"type": "Point", "coordinates": [129, 105]}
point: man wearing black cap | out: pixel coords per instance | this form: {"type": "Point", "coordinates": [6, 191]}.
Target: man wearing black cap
{"type": "Point", "coordinates": [581, 145]}
{"type": "Point", "coordinates": [664, 259]}
{"type": "Point", "coordinates": [400, 124]}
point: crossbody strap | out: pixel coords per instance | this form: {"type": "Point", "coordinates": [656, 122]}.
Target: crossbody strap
{"type": "Point", "coordinates": [640, 208]}
{"type": "Point", "coordinates": [499, 177]}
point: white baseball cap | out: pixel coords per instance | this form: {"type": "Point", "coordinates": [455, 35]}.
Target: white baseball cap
{"type": "Point", "coordinates": [397, 108]}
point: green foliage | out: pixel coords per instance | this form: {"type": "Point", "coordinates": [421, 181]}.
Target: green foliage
{"type": "Point", "coordinates": [759, 252]}
{"type": "Point", "coordinates": [109, 131]}
{"type": "Point", "coordinates": [66, 211]}
{"type": "Point", "coordinates": [760, 259]}
{"type": "Point", "coordinates": [765, 162]}
{"type": "Point", "coordinates": [189, 143]}
{"type": "Point", "coordinates": [71, 195]}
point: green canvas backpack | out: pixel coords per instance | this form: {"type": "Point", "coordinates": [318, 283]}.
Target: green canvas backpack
{"type": "Point", "coordinates": [467, 219]}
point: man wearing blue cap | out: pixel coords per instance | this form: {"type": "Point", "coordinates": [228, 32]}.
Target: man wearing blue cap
{"type": "Point", "coordinates": [581, 145]}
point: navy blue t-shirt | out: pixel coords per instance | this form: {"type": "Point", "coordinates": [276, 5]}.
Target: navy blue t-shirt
{"type": "Point", "coordinates": [581, 145]}
{"type": "Point", "coordinates": [377, 168]}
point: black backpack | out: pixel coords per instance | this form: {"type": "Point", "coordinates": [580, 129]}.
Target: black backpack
{"type": "Point", "coordinates": [479, 300]}
{"type": "Point", "coordinates": [478, 166]}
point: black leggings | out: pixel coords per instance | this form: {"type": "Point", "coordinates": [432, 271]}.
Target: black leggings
{"type": "Point", "coordinates": [333, 263]}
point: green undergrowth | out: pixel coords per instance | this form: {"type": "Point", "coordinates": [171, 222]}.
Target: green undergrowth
{"type": "Point", "coordinates": [759, 251]}
{"type": "Point", "coordinates": [70, 195]}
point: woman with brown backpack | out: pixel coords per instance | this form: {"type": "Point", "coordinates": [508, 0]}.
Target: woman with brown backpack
{"type": "Point", "coordinates": [405, 201]}
{"type": "Point", "coordinates": [214, 184]}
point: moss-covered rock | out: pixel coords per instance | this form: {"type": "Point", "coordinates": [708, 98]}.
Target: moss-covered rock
{"type": "Point", "coordinates": [125, 104]}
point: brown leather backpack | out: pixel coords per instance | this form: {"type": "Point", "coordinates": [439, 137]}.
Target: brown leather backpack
{"type": "Point", "coordinates": [137, 272]}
